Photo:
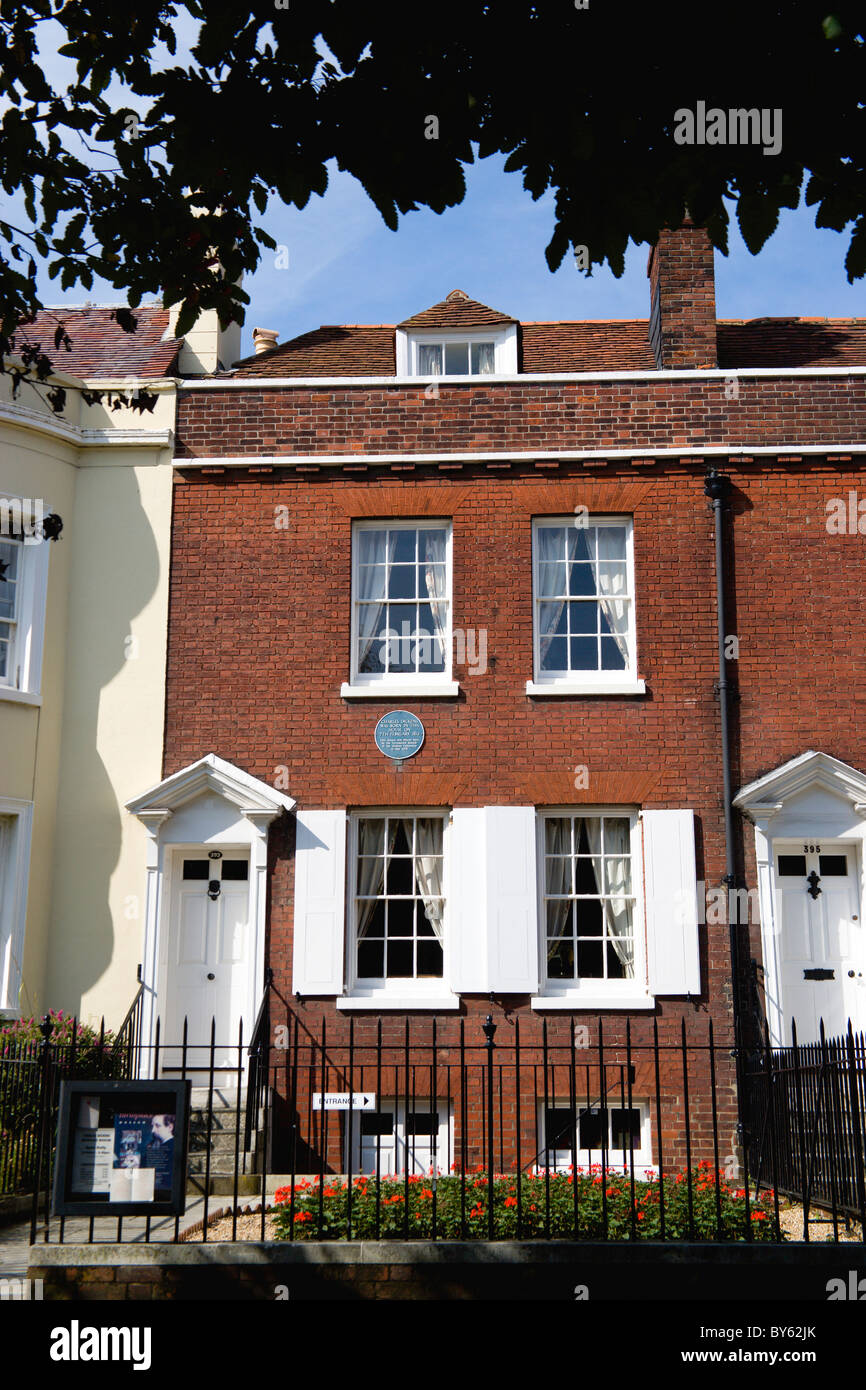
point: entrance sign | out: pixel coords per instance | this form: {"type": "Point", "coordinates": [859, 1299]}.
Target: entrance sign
{"type": "Point", "coordinates": [121, 1148]}
{"type": "Point", "coordinates": [336, 1100]}
{"type": "Point", "coordinates": [399, 735]}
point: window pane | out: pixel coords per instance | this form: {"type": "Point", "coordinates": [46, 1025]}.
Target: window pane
{"type": "Point", "coordinates": [553, 618]}
{"type": "Point", "coordinates": [371, 835]}
{"type": "Point", "coordinates": [559, 1128]}
{"type": "Point", "coordinates": [430, 959]}
{"type": "Point", "coordinates": [371, 582]}
{"type": "Point", "coordinates": [590, 960]}
{"type": "Point", "coordinates": [560, 959]}
{"type": "Point", "coordinates": [456, 359]}
{"type": "Point", "coordinates": [196, 868]}
{"type": "Point", "coordinates": [429, 359]}
{"type": "Point", "coordinates": [792, 865]}
{"type": "Point", "coordinates": [422, 1122]}
{"type": "Point", "coordinates": [612, 659]}
{"type": "Point", "coordinates": [371, 959]}
{"type": "Point", "coordinates": [371, 547]}
{"type": "Point", "coordinates": [625, 1129]}
{"type": "Point", "coordinates": [403, 581]}
{"type": "Point", "coordinates": [431, 544]}
{"type": "Point", "coordinates": [583, 617]}
{"type": "Point", "coordinates": [399, 878]}
{"type": "Point", "coordinates": [611, 542]}
{"type": "Point", "coordinates": [401, 917]}
{"type": "Point", "coordinates": [377, 1124]}
{"type": "Point", "coordinates": [482, 357]}
{"type": "Point", "coordinates": [402, 545]}
{"type": "Point", "coordinates": [234, 870]}
{"type": "Point", "coordinates": [557, 835]}
{"type": "Point", "coordinates": [555, 658]}
{"type": "Point", "coordinates": [400, 959]}
{"type": "Point", "coordinates": [581, 580]}
{"type": "Point", "coordinates": [584, 654]}
{"type": "Point", "coordinates": [591, 1128]}
{"type": "Point", "coordinates": [832, 864]}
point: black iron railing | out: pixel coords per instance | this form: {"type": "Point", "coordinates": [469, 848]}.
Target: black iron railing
{"type": "Point", "coordinates": [806, 1108]}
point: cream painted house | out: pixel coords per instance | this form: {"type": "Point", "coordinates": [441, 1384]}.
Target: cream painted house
{"type": "Point", "coordinates": [83, 623]}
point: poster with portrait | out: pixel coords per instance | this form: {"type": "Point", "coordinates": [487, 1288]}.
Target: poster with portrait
{"type": "Point", "coordinates": [122, 1147]}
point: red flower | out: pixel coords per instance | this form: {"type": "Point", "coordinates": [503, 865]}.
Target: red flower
{"type": "Point", "coordinates": [511, 1201]}
{"type": "Point", "coordinates": [303, 1216]}
{"type": "Point", "coordinates": [426, 1194]}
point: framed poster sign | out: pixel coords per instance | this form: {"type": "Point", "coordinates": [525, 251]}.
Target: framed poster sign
{"type": "Point", "coordinates": [121, 1148]}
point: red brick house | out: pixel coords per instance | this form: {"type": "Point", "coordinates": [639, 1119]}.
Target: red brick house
{"type": "Point", "coordinates": [508, 531]}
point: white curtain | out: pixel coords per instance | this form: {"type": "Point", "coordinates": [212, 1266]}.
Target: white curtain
{"type": "Point", "coordinates": [557, 876]}
{"type": "Point", "coordinates": [436, 582]}
{"type": "Point", "coordinates": [553, 578]}
{"type": "Point", "coordinates": [428, 868]}
{"type": "Point", "coordinates": [371, 589]}
{"type": "Point", "coordinates": [483, 354]}
{"type": "Point", "coordinates": [371, 868]}
{"type": "Point", "coordinates": [605, 543]}
{"type": "Point", "coordinates": [613, 879]}
{"type": "Point", "coordinates": [429, 359]}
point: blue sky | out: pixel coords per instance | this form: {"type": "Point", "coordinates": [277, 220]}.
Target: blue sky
{"type": "Point", "coordinates": [345, 266]}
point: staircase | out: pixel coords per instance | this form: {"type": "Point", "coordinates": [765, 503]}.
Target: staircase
{"type": "Point", "coordinates": [226, 1135]}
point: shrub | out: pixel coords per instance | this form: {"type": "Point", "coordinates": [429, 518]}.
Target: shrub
{"type": "Point", "coordinates": [604, 1208]}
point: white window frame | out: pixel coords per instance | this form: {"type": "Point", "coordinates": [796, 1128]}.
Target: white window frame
{"type": "Point", "coordinates": [502, 336]}
{"type": "Point", "coordinates": [16, 822]}
{"type": "Point", "coordinates": [591, 992]}
{"type": "Point", "coordinates": [599, 682]}
{"type": "Point", "coordinates": [23, 684]}
{"type": "Point", "coordinates": [616, 1160]}
{"type": "Point", "coordinates": [397, 1144]}
{"type": "Point", "coordinates": [374, 685]}
{"type": "Point", "coordinates": [395, 993]}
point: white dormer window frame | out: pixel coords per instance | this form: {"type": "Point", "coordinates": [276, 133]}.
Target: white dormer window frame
{"type": "Point", "coordinates": [503, 338]}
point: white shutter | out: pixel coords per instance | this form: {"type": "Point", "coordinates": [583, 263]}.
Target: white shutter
{"type": "Point", "coordinates": [320, 902]}
{"type": "Point", "coordinates": [670, 893]}
{"type": "Point", "coordinates": [512, 899]}
{"type": "Point", "coordinates": [466, 915]}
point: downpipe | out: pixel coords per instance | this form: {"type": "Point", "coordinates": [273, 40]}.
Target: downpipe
{"type": "Point", "coordinates": [717, 487]}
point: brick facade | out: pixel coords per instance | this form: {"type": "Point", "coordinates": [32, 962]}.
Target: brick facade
{"type": "Point", "coordinates": [260, 623]}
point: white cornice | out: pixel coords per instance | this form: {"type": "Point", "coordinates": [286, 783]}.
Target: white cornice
{"type": "Point", "coordinates": [24, 418]}
{"type": "Point", "coordinates": [257, 383]}
{"type": "Point", "coordinates": [684, 451]}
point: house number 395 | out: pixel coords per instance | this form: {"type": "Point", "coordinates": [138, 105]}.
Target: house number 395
{"type": "Point", "coordinates": [811, 849]}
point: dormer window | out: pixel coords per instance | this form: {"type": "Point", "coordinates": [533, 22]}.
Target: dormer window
{"type": "Point", "coordinates": [459, 337]}
{"type": "Point", "coordinates": [455, 358]}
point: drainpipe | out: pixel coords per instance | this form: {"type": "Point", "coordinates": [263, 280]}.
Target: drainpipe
{"type": "Point", "coordinates": [717, 487]}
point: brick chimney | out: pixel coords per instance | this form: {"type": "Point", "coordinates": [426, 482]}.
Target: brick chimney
{"type": "Point", "coordinates": [682, 328]}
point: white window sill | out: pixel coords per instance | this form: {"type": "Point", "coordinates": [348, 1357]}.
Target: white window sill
{"type": "Point", "coordinates": [580, 1003]}
{"type": "Point", "coordinates": [407, 691]}
{"type": "Point", "coordinates": [633, 687]}
{"type": "Point", "coordinates": [18, 697]}
{"type": "Point", "coordinates": [404, 1002]}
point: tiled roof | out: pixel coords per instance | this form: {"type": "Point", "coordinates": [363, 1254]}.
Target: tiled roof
{"type": "Point", "coordinates": [457, 311]}
{"type": "Point", "coordinates": [602, 346]}
{"type": "Point", "coordinates": [100, 347]}
{"type": "Point", "coordinates": [332, 350]}
{"type": "Point", "coordinates": [587, 346]}
{"type": "Point", "coordinates": [792, 342]}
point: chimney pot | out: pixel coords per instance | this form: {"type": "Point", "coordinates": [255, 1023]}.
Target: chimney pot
{"type": "Point", "coordinates": [264, 339]}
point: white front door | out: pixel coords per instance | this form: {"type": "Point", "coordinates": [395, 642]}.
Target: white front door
{"type": "Point", "coordinates": [822, 963]}
{"type": "Point", "coordinates": [208, 975]}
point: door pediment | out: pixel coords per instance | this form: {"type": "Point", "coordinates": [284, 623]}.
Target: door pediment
{"type": "Point", "coordinates": [811, 785]}
{"type": "Point", "coordinates": [211, 777]}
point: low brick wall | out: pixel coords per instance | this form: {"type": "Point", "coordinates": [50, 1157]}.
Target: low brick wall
{"type": "Point", "coordinates": [452, 1270]}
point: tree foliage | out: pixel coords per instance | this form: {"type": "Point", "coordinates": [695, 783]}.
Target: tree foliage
{"type": "Point", "coordinates": [161, 196]}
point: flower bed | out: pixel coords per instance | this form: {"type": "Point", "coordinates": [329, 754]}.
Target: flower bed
{"type": "Point", "coordinates": [583, 1205]}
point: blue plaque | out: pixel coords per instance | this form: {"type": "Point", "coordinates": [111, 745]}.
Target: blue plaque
{"type": "Point", "coordinates": [399, 735]}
